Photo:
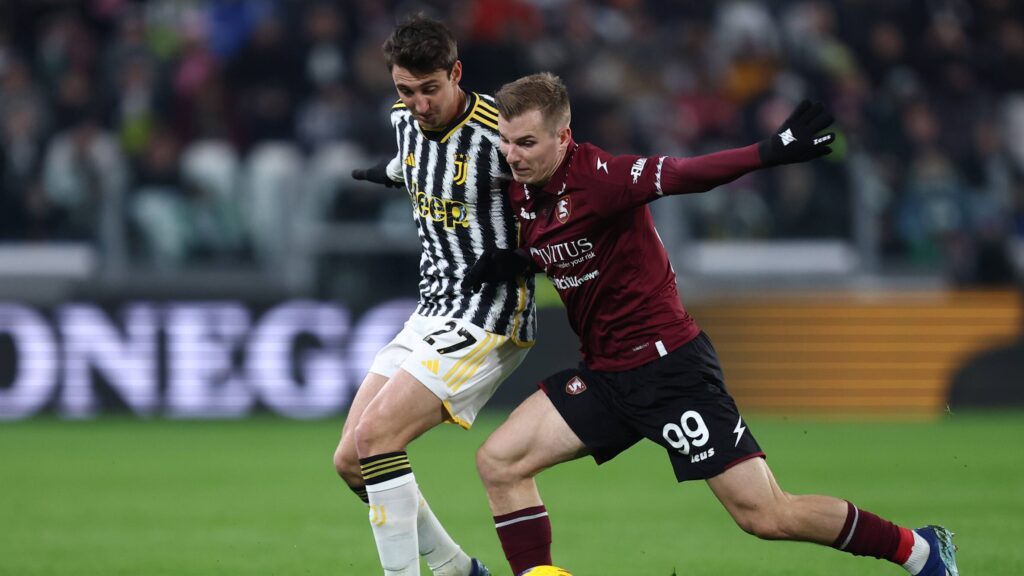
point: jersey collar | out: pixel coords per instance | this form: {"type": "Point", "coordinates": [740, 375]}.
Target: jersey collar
{"type": "Point", "coordinates": [442, 135]}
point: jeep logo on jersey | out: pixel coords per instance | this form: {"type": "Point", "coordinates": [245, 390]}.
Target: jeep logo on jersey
{"type": "Point", "coordinates": [451, 213]}
{"type": "Point", "coordinates": [575, 386]}
{"type": "Point", "coordinates": [563, 208]}
{"type": "Point", "coordinates": [460, 170]}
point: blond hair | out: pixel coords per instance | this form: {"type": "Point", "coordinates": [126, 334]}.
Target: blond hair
{"type": "Point", "coordinates": [544, 92]}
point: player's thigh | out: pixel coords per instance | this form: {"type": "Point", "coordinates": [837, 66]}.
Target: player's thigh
{"type": "Point", "coordinates": [590, 407]}
{"type": "Point", "coordinates": [400, 412]}
{"type": "Point", "coordinates": [368, 390]}
{"type": "Point", "coordinates": [386, 363]}
{"type": "Point", "coordinates": [461, 364]}
{"type": "Point", "coordinates": [745, 487]}
{"type": "Point", "coordinates": [533, 438]}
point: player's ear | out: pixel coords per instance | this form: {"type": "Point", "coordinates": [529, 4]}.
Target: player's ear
{"type": "Point", "coordinates": [564, 135]}
{"type": "Point", "coordinates": [456, 73]}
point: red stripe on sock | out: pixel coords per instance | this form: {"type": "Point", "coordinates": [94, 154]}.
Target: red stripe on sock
{"type": "Point", "coordinates": [905, 547]}
{"type": "Point", "coordinates": [526, 543]}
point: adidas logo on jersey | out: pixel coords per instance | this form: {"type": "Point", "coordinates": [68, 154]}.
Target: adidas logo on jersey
{"type": "Point", "coordinates": [432, 365]}
{"type": "Point", "coordinates": [410, 160]}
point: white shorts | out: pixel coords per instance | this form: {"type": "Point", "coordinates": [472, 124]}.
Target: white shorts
{"type": "Point", "coordinates": [461, 363]}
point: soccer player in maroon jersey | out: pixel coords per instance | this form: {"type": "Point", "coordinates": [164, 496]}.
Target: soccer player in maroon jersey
{"type": "Point", "coordinates": [648, 371]}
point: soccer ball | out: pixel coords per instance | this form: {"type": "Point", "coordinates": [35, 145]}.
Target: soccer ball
{"type": "Point", "coordinates": [545, 571]}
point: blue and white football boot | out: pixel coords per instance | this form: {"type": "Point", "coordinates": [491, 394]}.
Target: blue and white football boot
{"type": "Point", "coordinates": [479, 569]}
{"type": "Point", "coordinates": [942, 557]}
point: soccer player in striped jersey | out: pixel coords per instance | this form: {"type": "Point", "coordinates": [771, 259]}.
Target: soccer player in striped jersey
{"type": "Point", "coordinates": [456, 348]}
{"type": "Point", "coordinates": [648, 371]}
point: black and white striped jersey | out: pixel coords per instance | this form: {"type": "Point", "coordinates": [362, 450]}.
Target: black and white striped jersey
{"type": "Point", "coordinates": [456, 179]}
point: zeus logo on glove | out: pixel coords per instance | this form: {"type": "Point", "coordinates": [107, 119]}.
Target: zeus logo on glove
{"type": "Point", "coordinates": [787, 137]}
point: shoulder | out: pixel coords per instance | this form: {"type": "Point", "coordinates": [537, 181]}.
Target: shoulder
{"type": "Point", "coordinates": [598, 165]}
{"type": "Point", "coordinates": [399, 111]}
{"type": "Point", "coordinates": [591, 163]}
{"type": "Point", "coordinates": [485, 114]}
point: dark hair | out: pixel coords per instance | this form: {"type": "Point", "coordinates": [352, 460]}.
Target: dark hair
{"type": "Point", "coordinates": [421, 45]}
{"type": "Point", "coordinates": [544, 92]}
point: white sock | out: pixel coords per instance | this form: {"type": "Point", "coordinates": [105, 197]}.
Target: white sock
{"type": "Point", "coordinates": [442, 554]}
{"type": "Point", "coordinates": [394, 507]}
{"type": "Point", "coordinates": [918, 555]}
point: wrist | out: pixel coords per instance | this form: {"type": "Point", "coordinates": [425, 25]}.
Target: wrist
{"type": "Point", "coordinates": [764, 153]}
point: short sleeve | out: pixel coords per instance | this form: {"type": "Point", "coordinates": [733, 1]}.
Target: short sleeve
{"type": "Point", "coordinates": [395, 171]}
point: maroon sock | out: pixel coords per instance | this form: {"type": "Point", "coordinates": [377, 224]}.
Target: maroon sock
{"type": "Point", "coordinates": [525, 537]}
{"type": "Point", "coordinates": [865, 534]}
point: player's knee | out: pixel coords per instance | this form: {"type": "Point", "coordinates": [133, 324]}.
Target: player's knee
{"type": "Point", "coordinates": [487, 464]}
{"type": "Point", "coordinates": [368, 437]}
{"type": "Point", "coordinates": [765, 523]}
{"type": "Point", "coordinates": [346, 464]}
{"type": "Point", "coordinates": [494, 466]}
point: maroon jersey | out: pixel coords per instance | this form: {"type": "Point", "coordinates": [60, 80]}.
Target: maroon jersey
{"type": "Point", "coordinates": [590, 229]}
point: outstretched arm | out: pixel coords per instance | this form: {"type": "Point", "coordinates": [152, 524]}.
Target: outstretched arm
{"type": "Point", "coordinates": [385, 172]}
{"type": "Point", "coordinates": [797, 140]}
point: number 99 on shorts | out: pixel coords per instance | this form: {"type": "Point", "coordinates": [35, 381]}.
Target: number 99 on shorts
{"type": "Point", "coordinates": [690, 431]}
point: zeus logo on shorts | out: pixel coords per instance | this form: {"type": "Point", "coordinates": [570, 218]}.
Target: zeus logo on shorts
{"type": "Point", "coordinates": [575, 386]}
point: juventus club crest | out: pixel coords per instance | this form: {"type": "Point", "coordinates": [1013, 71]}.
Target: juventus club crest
{"type": "Point", "coordinates": [460, 169]}
{"type": "Point", "coordinates": [563, 208]}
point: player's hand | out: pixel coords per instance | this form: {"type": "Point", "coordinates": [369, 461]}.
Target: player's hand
{"type": "Point", "coordinates": [378, 174]}
{"type": "Point", "coordinates": [797, 140]}
{"type": "Point", "coordinates": [497, 265]}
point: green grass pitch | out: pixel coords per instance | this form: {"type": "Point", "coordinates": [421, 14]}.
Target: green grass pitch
{"type": "Point", "coordinates": [259, 496]}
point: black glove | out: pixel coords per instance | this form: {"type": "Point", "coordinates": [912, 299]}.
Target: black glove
{"type": "Point", "coordinates": [497, 265]}
{"type": "Point", "coordinates": [378, 174]}
{"type": "Point", "coordinates": [797, 140]}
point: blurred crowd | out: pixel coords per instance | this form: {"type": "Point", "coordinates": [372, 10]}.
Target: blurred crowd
{"type": "Point", "coordinates": [182, 131]}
